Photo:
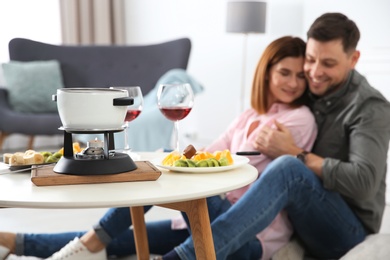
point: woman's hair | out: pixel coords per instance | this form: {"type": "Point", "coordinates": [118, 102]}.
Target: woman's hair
{"type": "Point", "coordinates": [277, 50]}
{"type": "Point", "coordinates": [334, 26]}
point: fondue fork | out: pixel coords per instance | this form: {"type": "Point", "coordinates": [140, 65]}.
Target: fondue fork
{"type": "Point", "coordinates": [26, 169]}
{"type": "Point", "coordinates": [248, 153]}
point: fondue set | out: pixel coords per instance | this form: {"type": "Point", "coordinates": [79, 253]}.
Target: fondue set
{"type": "Point", "coordinates": [92, 111]}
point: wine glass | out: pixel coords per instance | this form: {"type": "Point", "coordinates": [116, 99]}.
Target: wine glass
{"type": "Point", "coordinates": [175, 102]}
{"type": "Point", "coordinates": [133, 111]}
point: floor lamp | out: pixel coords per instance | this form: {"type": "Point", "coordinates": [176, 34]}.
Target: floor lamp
{"type": "Point", "coordinates": [245, 17]}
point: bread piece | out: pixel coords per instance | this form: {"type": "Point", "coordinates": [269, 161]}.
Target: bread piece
{"type": "Point", "coordinates": [28, 159]}
{"type": "Point", "coordinates": [38, 158]}
{"type": "Point", "coordinates": [33, 158]}
{"type": "Point", "coordinates": [16, 159]}
{"type": "Point", "coordinates": [6, 157]}
{"type": "Point", "coordinates": [189, 151]}
{"type": "Point", "coordinates": [29, 152]}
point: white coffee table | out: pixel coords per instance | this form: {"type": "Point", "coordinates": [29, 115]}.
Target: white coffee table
{"type": "Point", "coordinates": [179, 191]}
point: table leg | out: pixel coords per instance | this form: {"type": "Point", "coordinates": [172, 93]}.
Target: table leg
{"type": "Point", "coordinates": [140, 236]}
{"type": "Point", "coordinates": [198, 216]}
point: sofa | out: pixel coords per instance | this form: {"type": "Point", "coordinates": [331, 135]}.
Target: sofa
{"type": "Point", "coordinates": [85, 66]}
{"type": "Point", "coordinates": [374, 247]}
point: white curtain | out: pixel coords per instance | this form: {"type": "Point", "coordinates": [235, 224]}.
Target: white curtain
{"type": "Point", "coordinates": [86, 22]}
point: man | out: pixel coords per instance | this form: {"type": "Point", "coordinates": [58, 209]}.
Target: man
{"type": "Point", "coordinates": [335, 194]}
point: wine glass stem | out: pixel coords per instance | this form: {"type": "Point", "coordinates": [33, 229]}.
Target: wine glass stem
{"type": "Point", "coordinates": [127, 147]}
{"type": "Point", "coordinates": [177, 135]}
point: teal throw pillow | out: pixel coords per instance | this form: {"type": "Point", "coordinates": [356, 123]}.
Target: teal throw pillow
{"type": "Point", "coordinates": [31, 85]}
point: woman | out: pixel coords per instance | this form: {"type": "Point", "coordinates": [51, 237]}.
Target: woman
{"type": "Point", "coordinates": [277, 97]}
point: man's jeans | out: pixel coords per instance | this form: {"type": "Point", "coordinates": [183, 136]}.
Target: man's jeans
{"type": "Point", "coordinates": [321, 218]}
{"type": "Point", "coordinates": [113, 230]}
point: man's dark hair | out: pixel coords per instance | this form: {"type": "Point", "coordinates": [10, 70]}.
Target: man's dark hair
{"type": "Point", "coordinates": [333, 26]}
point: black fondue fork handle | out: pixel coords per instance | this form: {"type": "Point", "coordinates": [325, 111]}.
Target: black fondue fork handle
{"type": "Point", "coordinates": [248, 153]}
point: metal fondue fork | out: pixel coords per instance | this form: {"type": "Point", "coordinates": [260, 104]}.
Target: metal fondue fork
{"type": "Point", "coordinates": [26, 169]}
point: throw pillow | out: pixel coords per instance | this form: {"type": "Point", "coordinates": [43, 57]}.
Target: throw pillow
{"type": "Point", "coordinates": [31, 85]}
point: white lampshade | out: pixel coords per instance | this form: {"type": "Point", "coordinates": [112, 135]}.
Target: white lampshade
{"type": "Point", "coordinates": [246, 17]}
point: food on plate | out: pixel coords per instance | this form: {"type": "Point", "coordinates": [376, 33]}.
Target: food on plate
{"type": "Point", "coordinates": [26, 158]}
{"type": "Point", "coordinates": [7, 157]}
{"type": "Point", "coordinates": [30, 157]}
{"type": "Point", "coordinates": [52, 157]}
{"type": "Point", "coordinates": [193, 158]}
{"type": "Point", "coordinates": [76, 148]}
{"type": "Point", "coordinates": [189, 151]}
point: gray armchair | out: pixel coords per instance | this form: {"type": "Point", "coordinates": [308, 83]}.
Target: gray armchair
{"type": "Point", "coordinates": [89, 66]}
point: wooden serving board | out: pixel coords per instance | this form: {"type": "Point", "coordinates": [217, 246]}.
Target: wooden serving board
{"type": "Point", "coordinates": [45, 176]}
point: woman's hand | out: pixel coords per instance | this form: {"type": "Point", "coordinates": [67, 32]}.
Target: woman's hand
{"type": "Point", "coordinates": [276, 142]}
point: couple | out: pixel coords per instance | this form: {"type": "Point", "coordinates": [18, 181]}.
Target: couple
{"type": "Point", "coordinates": [329, 189]}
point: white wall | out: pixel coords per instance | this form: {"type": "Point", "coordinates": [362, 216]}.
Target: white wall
{"type": "Point", "coordinates": [38, 19]}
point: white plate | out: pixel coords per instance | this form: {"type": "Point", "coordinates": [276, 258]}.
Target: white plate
{"type": "Point", "coordinates": [238, 161]}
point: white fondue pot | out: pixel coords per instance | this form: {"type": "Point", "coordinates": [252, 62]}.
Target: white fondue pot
{"type": "Point", "coordinates": [92, 108]}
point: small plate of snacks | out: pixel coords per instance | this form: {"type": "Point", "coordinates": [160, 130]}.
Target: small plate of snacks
{"type": "Point", "coordinates": [197, 162]}
{"type": "Point", "coordinates": [23, 161]}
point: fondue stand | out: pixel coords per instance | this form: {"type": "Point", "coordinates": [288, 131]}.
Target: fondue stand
{"type": "Point", "coordinates": [181, 191]}
{"type": "Point", "coordinates": [98, 158]}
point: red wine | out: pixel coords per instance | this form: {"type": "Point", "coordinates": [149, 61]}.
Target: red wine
{"type": "Point", "coordinates": [176, 113]}
{"type": "Point", "coordinates": [132, 114]}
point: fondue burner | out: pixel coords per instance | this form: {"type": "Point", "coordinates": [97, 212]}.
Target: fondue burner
{"type": "Point", "coordinates": [94, 151]}
{"type": "Point", "coordinates": [98, 158]}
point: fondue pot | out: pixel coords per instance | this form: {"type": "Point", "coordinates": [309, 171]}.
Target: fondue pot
{"type": "Point", "coordinates": [92, 108]}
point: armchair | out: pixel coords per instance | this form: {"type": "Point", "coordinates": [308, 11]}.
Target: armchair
{"type": "Point", "coordinates": [89, 66]}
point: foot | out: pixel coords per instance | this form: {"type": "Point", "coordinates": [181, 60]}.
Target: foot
{"type": "Point", "coordinates": [75, 250]}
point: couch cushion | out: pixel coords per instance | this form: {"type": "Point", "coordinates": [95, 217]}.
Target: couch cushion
{"type": "Point", "coordinates": [375, 246]}
{"type": "Point", "coordinates": [31, 85]}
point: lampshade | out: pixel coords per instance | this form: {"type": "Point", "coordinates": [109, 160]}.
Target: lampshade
{"type": "Point", "coordinates": [246, 17]}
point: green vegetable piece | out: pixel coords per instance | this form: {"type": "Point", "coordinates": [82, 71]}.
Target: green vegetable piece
{"type": "Point", "coordinates": [191, 163]}
{"type": "Point", "coordinates": [51, 159]}
{"type": "Point", "coordinates": [223, 161]}
{"type": "Point", "coordinates": [213, 162]}
{"type": "Point", "coordinates": [202, 163]}
{"type": "Point", "coordinates": [180, 163]}
{"type": "Point", "coordinates": [46, 154]}
{"type": "Point", "coordinates": [58, 155]}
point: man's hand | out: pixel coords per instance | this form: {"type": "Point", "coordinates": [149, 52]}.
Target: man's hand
{"type": "Point", "coordinates": [275, 142]}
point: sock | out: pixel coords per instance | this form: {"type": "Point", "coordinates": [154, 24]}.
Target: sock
{"type": "Point", "coordinates": [171, 255]}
